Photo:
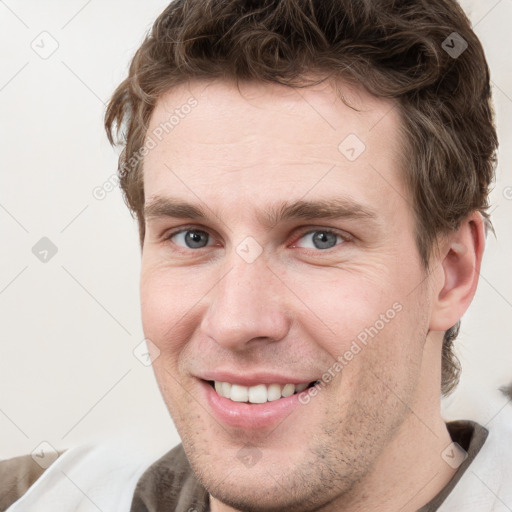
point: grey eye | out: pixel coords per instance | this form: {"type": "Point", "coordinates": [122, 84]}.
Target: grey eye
{"type": "Point", "coordinates": [320, 240]}
{"type": "Point", "coordinates": [191, 238]}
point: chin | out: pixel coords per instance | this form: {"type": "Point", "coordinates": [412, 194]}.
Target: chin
{"type": "Point", "coordinates": [279, 481]}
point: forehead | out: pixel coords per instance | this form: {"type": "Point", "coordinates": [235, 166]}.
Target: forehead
{"type": "Point", "coordinates": [269, 140]}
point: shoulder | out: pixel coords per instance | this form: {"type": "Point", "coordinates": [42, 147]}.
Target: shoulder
{"type": "Point", "coordinates": [106, 473]}
{"type": "Point", "coordinates": [17, 475]}
{"type": "Point", "coordinates": [170, 484]}
{"type": "Point", "coordinates": [485, 485]}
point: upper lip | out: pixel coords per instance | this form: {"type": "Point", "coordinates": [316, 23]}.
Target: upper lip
{"type": "Point", "coordinates": [253, 378]}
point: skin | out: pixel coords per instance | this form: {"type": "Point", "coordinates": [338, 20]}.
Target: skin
{"type": "Point", "coordinates": [372, 437]}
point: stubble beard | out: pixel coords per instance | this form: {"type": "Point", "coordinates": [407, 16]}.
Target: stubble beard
{"type": "Point", "coordinates": [334, 465]}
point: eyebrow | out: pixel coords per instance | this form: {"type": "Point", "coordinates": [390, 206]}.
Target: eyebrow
{"type": "Point", "coordinates": [329, 208]}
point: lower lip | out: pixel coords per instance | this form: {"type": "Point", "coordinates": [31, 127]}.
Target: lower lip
{"type": "Point", "coordinates": [246, 415]}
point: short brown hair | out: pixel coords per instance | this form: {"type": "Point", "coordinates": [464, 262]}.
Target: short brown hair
{"type": "Point", "coordinates": [395, 49]}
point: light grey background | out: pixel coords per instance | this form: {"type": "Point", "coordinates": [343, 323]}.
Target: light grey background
{"type": "Point", "coordinates": [69, 326]}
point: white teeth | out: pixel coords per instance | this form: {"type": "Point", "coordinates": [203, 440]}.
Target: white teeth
{"type": "Point", "coordinates": [225, 389]}
{"type": "Point", "coordinates": [301, 387]}
{"type": "Point", "coordinates": [288, 390]}
{"type": "Point", "coordinates": [258, 394]}
{"type": "Point", "coordinates": [273, 392]}
{"type": "Point", "coordinates": [239, 393]}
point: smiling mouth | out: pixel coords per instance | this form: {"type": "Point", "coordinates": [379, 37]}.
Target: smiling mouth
{"type": "Point", "coordinates": [260, 393]}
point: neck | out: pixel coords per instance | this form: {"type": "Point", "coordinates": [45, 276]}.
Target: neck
{"type": "Point", "coordinates": [410, 471]}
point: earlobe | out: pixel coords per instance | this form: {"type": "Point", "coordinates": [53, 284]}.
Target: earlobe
{"type": "Point", "coordinates": [460, 262]}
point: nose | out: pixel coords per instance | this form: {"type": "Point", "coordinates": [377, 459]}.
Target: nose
{"type": "Point", "coordinates": [247, 307]}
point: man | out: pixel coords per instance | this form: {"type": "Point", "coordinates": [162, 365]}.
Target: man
{"type": "Point", "coordinates": [310, 180]}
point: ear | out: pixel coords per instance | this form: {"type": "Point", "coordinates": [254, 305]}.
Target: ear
{"type": "Point", "coordinates": [460, 260]}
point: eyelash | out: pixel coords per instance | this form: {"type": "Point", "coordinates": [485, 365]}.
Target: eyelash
{"type": "Point", "coordinates": [343, 235]}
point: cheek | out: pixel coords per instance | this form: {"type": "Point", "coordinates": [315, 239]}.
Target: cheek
{"type": "Point", "coordinates": [169, 298]}
{"type": "Point", "coordinates": [347, 307]}
{"type": "Point", "coordinates": [372, 324]}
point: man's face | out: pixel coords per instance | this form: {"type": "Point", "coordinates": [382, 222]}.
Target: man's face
{"type": "Point", "coordinates": [302, 268]}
